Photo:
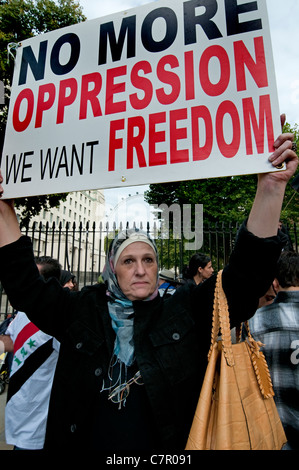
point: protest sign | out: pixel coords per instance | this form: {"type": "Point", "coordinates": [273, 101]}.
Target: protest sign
{"type": "Point", "coordinates": [170, 91]}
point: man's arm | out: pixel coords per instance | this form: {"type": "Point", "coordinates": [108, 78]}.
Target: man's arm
{"type": "Point", "coordinates": [8, 343]}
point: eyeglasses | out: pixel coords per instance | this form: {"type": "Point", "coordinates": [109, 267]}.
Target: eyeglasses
{"type": "Point", "coordinates": [120, 393]}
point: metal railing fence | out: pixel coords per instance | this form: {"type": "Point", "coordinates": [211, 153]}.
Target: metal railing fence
{"type": "Point", "coordinates": [82, 249]}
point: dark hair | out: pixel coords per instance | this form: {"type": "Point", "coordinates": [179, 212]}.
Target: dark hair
{"type": "Point", "coordinates": [199, 260]}
{"type": "Point", "coordinates": [287, 270]}
{"type": "Point", "coordinates": [66, 276]}
{"type": "Point", "coordinates": [49, 267]}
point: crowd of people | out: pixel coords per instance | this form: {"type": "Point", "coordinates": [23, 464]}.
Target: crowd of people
{"type": "Point", "coordinates": [197, 271]}
{"type": "Point", "coordinates": [127, 360]}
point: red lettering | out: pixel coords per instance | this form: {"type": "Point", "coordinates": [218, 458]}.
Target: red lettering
{"type": "Point", "coordinates": [170, 78]}
{"type": "Point", "coordinates": [154, 137]}
{"type": "Point", "coordinates": [214, 89]}
{"type": "Point", "coordinates": [64, 98]}
{"type": "Point", "coordinates": [42, 103]}
{"type": "Point", "coordinates": [189, 76]}
{"type": "Point", "coordinates": [135, 141]}
{"type": "Point", "coordinates": [90, 96]}
{"type": "Point", "coordinates": [257, 69]}
{"type": "Point", "coordinates": [250, 121]}
{"type": "Point", "coordinates": [113, 88]}
{"type": "Point", "coordinates": [114, 142]}
{"type": "Point", "coordinates": [177, 156]}
{"type": "Point", "coordinates": [141, 83]}
{"type": "Point", "coordinates": [202, 132]}
{"type": "Point", "coordinates": [28, 96]}
{"type": "Point", "coordinates": [228, 150]}
{"type": "Point", "coordinates": [201, 152]}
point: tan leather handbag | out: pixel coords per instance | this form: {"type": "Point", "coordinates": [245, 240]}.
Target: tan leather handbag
{"type": "Point", "coordinates": [236, 409]}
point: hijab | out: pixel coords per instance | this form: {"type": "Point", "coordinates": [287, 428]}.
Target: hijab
{"type": "Point", "coordinates": [66, 276]}
{"type": "Point", "coordinates": [120, 308]}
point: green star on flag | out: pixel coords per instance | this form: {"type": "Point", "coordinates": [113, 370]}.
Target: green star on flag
{"type": "Point", "coordinates": [31, 343]}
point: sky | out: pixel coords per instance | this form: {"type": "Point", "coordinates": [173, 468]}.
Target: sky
{"type": "Point", "coordinates": [283, 19]}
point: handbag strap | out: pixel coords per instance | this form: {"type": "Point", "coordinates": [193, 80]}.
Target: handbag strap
{"type": "Point", "coordinates": [220, 322]}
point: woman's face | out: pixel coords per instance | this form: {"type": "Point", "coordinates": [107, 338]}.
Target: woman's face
{"type": "Point", "coordinates": [136, 271]}
{"type": "Point", "coordinates": [70, 284]}
{"type": "Point", "coordinates": [207, 271]}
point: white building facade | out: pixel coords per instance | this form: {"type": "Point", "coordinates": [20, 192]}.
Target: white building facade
{"type": "Point", "coordinates": [74, 234]}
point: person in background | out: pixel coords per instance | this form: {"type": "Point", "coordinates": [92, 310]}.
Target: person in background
{"type": "Point", "coordinates": [277, 327]}
{"type": "Point", "coordinates": [268, 298]}
{"type": "Point", "coordinates": [199, 269]}
{"type": "Point", "coordinates": [35, 356]}
{"type": "Point", "coordinates": [167, 282]}
{"type": "Point", "coordinates": [48, 267]}
{"type": "Point", "coordinates": [288, 245]}
{"type": "Point", "coordinates": [68, 279]}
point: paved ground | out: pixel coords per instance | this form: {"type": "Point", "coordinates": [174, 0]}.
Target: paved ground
{"type": "Point", "coordinates": [3, 445]}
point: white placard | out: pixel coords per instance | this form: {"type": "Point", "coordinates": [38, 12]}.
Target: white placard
{"type": "Point", "coordinates": [173, 90]}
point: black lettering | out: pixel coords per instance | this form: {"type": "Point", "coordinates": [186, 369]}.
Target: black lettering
{"type": "Point", "coordinates": [128, 27]}
{"type": "Point", "coordinates": [26, 165]}
{"type": "Point", "coordinates": [75, 155]}
{"type": "Point", "coordinates": [14, 166]}
{"type": "Point", "coordinates": [37, 66]}
{"type": "Point", "coordinates": [233, 10]}
{"type": "Point", "coordinates": [62, 162]}
{"type": "Point", "coordinates": [171, 29]}
{"type": "Point", "coordinates": [68, 161]}
{"type": "Point", "coordinates": [48, 162]}
{"type": "Point", "coordinates": [56, 66]}
{"type": "Point", "coordinates": [91, 144]}
{"type": "Point", "coordinates": [204, 20]}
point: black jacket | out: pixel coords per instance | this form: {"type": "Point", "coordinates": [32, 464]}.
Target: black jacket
{"type": "Point", "coordinates": [172, 338]}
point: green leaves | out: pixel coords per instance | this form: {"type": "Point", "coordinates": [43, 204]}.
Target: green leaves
{"type": "Point", "coordinates": [224, 199]}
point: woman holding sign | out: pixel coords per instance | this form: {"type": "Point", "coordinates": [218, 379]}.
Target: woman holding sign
{"type": "Point", "coordinates": [131, 364]}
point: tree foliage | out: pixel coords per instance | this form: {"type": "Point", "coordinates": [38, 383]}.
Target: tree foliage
{"type": "Point", "coordinates": [23, 19]}
{"type": "Point", "coordinates": [20, 20]}
{"type": "Point", "coordinates": [226, 199]}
